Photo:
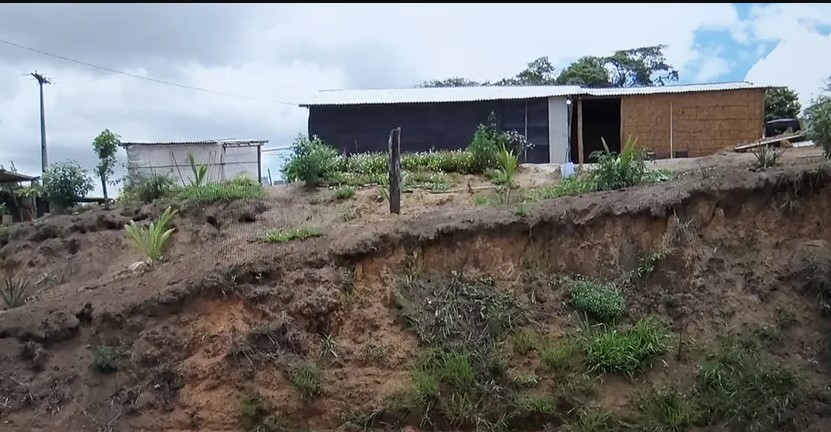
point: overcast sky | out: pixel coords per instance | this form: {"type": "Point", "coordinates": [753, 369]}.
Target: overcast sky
{"type": "Point", "coordinates": [280, 53]}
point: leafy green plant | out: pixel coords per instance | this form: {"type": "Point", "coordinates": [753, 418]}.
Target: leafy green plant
{"type": "Point", "coordinates": [646, 265]}
{"type": "Point", "coordinates": [143, 188]}
{"type": "Point", "coordinates": [485, 146]}
{"type": "Point", "coordinates": [344, 192]}
{"type": "Point", "coordinates": [312, 161]}
{"type": "Point", "coordinates": [600, 301]}
{"type": "Point", "coordinates": [252, 408]}
{"type": "Point", "coordinates": [818, 120]}
{"type": "Point", "coordinates": [301, 233]}
{"type": "Point", "coordinates": [458, 369]}
{"type": "Point", "coordinates": [65, 182]}
{"type": "Point", "coordinates": [199, 172]}
{"type": "Point", "coordinates": [766, 157]}
{"type": "Point", "coordinates": [629, 351]}
{"type": "Point", "coordinates": [150, 239]}
{"type": "Point", "coordinates": [569, 186]}
{"type": "Point", "coordinates": [105, 358]}
{"type": "Point", "coordinates": [106, 147]}
{"type": "Point", "coordinates": [307, 379]}
{"type": "Point", "coordinates": [617, 171]}
{"type": "Point", "coordinates": [14, 292]}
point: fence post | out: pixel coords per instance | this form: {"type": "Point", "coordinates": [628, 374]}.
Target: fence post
{"type": "Point", "coordinates": [395, 171]}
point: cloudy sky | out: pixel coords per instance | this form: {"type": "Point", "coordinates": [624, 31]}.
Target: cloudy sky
{"type": "Point", "coordinates": [275, 55]}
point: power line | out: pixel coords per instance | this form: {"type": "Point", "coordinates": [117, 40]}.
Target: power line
{"type": "Point", "coordinates": [143, 77]}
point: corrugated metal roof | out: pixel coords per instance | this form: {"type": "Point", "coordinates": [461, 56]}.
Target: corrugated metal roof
{"type": "Point", "coordinates": [484, 93]}
{"type": "Point", "coordinates": [230, 143]}
{"type": "Point", "coordinates": [685, 88]}
{"type": "Point", "coordinates": [437, 94]}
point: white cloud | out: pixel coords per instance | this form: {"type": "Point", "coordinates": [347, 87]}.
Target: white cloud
{"type": "Point", "coordinates": [284, 52]}
{"type": "Point", "coordinates": [800, 59]}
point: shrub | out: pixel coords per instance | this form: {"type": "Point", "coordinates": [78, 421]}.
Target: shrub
{"type": "Point", "coordinates": [64, 183]}
{"type": "Point", "coordinates": [508, 164]}
{"type": "Point", "coordinates": [456, 161]}
{"type": "Point", "coordinates": [615, 171]}
{"type": "Point", "coordinates": [307, 379]}
{"type": "Point", "coordinates": [14, 292]}
{"type": "Point", "coordinates": [105, 358]}
{"type": "Point", "coordinates": [239, 188]}
{"type": "Point", "coordinates": [601, 301]}
{"type": "Point", "coordinates": [766, 157]}
{"type": "Point", "coordinates": [818, 121]}
{"type": "Point", "coordinates": [312, 161]}
{"type": "Point", "coordinates": [484, 148]}
{"type": "Point", "coordinates": [344, 192]}
{"type": "Point", "coordinates": [150, 239]}
{"type": "Point", "coordinates": [148, 188]}
{"type": "Point", "coordinates": [301, 233]}
{"type": "Point", "coordinates": [627, 352]}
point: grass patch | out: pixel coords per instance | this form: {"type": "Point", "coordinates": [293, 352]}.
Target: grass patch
{"type": "Point", "coordinates": [307, 379]}
{"type": "Point", "coordinates": [562, 355]}
{"type": "Point", "coordinates": [668, 411]}
{"type": "Point", "coordinates": [591, 419]}
{"type": "Point", "coordinates": [344, 192]}
{"type": "Point", "coordinates": [14, 292]}
{"type": "Point", "coordinates": [739, 387]}
{"type": "Point", "coordinates": [601, 301]}
{"type": "Point", "coordinates": [629, 351]}
{"type": "Point", "coordinates": [523, 342]}
{"type": "Point", "coordinates": [252, 409]}
{"type": "Point", "coordinates": [301, 233]}
{"type": "Point", "coordinates": [105, 358]}
{"type": "Point", "coordinates": [239, 188]}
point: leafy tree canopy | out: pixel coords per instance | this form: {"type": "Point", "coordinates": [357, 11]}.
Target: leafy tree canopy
{"type": "Point", "coordinates": [781, 102]}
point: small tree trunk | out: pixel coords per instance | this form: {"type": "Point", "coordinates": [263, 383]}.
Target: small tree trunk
{"type": "Point", "coordinates": [104, 187]}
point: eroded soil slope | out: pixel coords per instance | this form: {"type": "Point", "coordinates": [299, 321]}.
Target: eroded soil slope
{"type": "Point", "coordinates": [450, 319]}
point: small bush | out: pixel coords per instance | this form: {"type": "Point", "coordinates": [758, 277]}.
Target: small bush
{"type": "Point", "coordinates": [252, 408]}
{"type": "Point", "coordinates": [105, 358]}
{"type": "Point", "coordinates": [616, 171]}
{"type": "Point", "coordinates": [818, 121]}
{"type": "Point", "coordinates": [307, 379]}
{"type": "Point", "coordinates": [64, 183]}
{"type": "Point", "coordinates": [561, 356]}
{"type": "Point", "coordinates": [150, 239]}
{"type": "Point", "coordinates": [344, 192]}
{"type": "Point", "coordinates": [457, 161]}
{"type": "Point", "coordinates": [311, 161]}
{"type": "Point", "coordinates": [238, 188]}
{"type": "Point", "coordinates": [148, 188]}
{"type": "Point", "coordinates": [600, 301]}
{"type": "Point", "coordinates": [627, 352]}
{"type": "Point", "coordinates": [14, 292]}
{"type": "Point", "coordinates": [295, 234]}
{"type": "Point", "coordinates": [484, 148]}
{"type": "Point", "coordinates": [766, 157]}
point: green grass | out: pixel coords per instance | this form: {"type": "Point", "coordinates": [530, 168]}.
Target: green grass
{"type": "Point", "coordinates": [344, 192]}
{"type": "Point", "coordinates": [307, 379]}
{"type": "Point", "coordinates": [458, 370]}
{"type": "Point", "coordinates": [647, 264]}
{"type": "Point", "coordinates": [591, 419]}
{"type": "Point", "coordinates": [668, 411]}
{"type": "Point", "coordinates": [601, 301]}
{"type": "Point", "coordinates": [523, 342]}
{"type": "Point", "coordinates": [628, 351]}
{"type": "Point", "coordinates": [569, 186]}
{"type": "Point", "coordinates": [239, 188]}
{"type": "Point", "coordinates": [301, 233]}
{"type": "Point", "coordinates": [252, 408]}
{"type": "Point", "coordinates": [561, 355]}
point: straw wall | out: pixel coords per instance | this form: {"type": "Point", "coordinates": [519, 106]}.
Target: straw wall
{"type": "Point", "coordinates": [702, 123]}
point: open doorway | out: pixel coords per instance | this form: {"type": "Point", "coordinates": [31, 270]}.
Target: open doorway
{"type": "Point", "coordinates": [601, 119]}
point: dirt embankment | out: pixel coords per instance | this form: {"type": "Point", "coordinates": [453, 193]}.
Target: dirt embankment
{"type": "Point", "coordinates": [233, 334]}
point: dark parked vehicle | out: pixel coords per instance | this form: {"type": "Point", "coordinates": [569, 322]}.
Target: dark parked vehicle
{"type": "Point", "coordinates": [779, 126]}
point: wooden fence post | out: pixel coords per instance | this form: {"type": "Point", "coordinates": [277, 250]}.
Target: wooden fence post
{"type": "Point", "coordinates": [395, 171]}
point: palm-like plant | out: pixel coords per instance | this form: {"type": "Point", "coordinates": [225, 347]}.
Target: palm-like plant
{"type": "Point", "coordinates": [14, 292]}
{"type": "Point", "coordinates": [150, 239]}
{"type": "Point", "coordinates": [199, 172]}
{"type": "Point", "coordinates": [508, 164]}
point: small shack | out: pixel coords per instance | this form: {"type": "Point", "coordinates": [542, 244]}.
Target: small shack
{"type": "Point", "coordinates": [18, 207]}
{"type": "Point", "coordinates": [225, 159]}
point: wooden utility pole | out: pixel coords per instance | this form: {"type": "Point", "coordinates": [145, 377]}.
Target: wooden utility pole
{"type": "Point", "coordinates": [395, 171]}
{"type": "Point", "coordinates": [580, 131]}
{"type": "Point", "coordinates": [43, 159]}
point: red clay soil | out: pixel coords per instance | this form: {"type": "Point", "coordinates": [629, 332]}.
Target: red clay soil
{"type": "Point", "coordinates": [182, 328]}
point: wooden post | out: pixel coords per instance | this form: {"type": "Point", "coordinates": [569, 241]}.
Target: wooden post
{"type": "Point", "coordinates": [580, 131]}
{"type": "Point", "coordinates": [395, 171]}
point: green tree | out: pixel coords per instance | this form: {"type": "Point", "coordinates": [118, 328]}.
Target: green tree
{"type": "Point", "coordinates": [588, 71]}
{"type": "Point", "coordinates": [818, 120]}
{"type": "Point", "coordinates": [644, 66]}
{"type": "Point", "coordinates": [538, 72]}
{"type": "Point", "coordinates": [781, 102]}
{"type": "Point", "coordinates": [64, 183]}
{"type": "Point", "coordinates": [450, 82]}
{"type": "Point", "coordinates": [106, 147]}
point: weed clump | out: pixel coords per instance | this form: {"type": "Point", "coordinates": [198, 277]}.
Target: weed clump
{"type": "Point", "coordinates": [252, 409]}
{"type": "Point", "coordinates": [105, 358]}
{"type": "Point", "coordinates": [238, 188]}
{"type": "Point", "coordinates": [301, 233]}
{"type": "Point", "coordinates": [627, 351]}
{"type": "Point", "coordinates": [665, 410]}
{"type": "Point", "coordinates": [144, 188]}
{"type": "Point", "coordinates": [602, 302]}
{"type": "Point", "coordinates": [562, 355]}
{"type": "Point", "coordinates": [14, 292]}
{"type": "Point", "coordinates": [766, 157]}
{"type": "Point", "coordinates": [307, 379]}
{"type": "Point", "coordinates": [151, 239]}
{"type": "Point", "coordinates": [344, 192]}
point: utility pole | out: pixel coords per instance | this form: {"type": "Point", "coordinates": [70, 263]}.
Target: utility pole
{"type": "Point", "coordinates": [43, 160]}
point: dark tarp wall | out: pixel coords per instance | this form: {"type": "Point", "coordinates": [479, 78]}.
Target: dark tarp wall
{"type": "Point", "coordinates": [426, 126]}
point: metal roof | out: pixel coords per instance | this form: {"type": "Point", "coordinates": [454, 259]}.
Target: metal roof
{"type": "Point", "coordinates": [485, 93]}
{"type": "Point", "coordinates": [13, 177]}
{"type": "Point", "coordinates": [437, 94]}
{"type": "Point", "coordinates": [226, 143]}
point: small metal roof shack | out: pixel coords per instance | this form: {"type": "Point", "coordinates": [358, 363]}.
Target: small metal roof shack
{"type": "Point", "coordinates": [225, 159]}
{"type": "Point", "coordinates": [671, 121]}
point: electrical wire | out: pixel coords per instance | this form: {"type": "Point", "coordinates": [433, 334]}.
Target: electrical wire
{"type": "Point", "coordinates": [142, 77]}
